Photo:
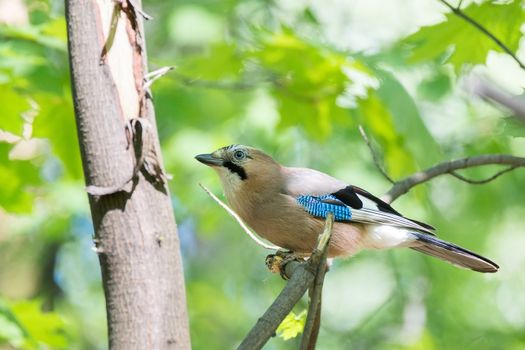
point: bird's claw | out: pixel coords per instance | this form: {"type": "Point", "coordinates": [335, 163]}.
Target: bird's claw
{"type": "Point", "coordinates": [276, 263]}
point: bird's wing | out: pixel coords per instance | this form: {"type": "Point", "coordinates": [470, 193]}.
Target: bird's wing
{"type": "Point", "coordinates": [309, 181]}
{"type": "Point", "coordinates": [320, 194]}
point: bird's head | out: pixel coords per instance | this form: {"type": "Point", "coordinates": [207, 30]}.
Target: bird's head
{"type": "Point", "coordinates": [239, 165]}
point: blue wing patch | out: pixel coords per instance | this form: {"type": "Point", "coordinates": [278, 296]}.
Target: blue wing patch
{"type": "Point", "coordinates": [317, 206]}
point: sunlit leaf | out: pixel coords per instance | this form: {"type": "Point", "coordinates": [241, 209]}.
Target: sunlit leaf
{"type": "Point", "coordinates": [292, 325]}
{"type": "Point", "coordinates": [468, 44]}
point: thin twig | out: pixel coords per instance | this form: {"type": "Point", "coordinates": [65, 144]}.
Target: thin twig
{"type": "Point", "coordinates": [313, 320]}
{"type": "Point", "coordinates": [459, 5]}
{"type": "Point", "coordinates": [483, 181]}
{"type": "Point", "coordinates": [302, 275]}
{"type": "Point", "coordinates": [458, 12]}
{"type": "Point", "coordinates": [375, 156]}
{"type": "Point", "coordinates": [246, 229]}
{"type": "Point", "coordinates": [221, 85]}
{"type": "Point", "coordinates": [403, 186]}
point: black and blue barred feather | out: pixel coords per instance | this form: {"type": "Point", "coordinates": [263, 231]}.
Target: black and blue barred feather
{"type": "Point", "coordinates": [320, 206]}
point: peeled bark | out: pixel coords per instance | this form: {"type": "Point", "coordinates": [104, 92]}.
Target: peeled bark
{"type": "Point", "coordinates": [135, 231]}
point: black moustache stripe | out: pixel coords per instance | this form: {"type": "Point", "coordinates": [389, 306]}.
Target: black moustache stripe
{"type": "Point", "coordinates": [234, 168]}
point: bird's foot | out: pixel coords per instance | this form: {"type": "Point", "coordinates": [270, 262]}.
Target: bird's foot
{"type": "Point", "coordinates": [276, 263]}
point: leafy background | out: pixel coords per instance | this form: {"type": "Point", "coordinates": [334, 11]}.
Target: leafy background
{"type": "Point", "coordinates": [295, 78]}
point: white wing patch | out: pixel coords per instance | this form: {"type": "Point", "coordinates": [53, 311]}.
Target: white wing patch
{"type": "Point", "coordinates": [386, 236]}
{"type": "Point", "coordinates": [374, 216]}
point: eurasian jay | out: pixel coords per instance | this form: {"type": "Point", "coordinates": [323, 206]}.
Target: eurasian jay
{"type": "Point", "coordinates": [287, 206]}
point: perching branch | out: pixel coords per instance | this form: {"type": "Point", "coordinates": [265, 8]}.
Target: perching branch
{"type": "Point", "coordinates": [302, 276]}
{"type": "Point", "coordinates": [313, 320]}
{"type": "Point", "coordinates": [458, 12]}
{"type": "Point", "coordinates": [317, 268]}
{"type": "Point", "coordinates": [403, 186]}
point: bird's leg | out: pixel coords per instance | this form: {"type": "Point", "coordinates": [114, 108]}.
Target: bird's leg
{"type": "Point", "coordinates": [276, 263]}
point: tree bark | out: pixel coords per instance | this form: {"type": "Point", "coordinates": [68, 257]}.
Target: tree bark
{"type": "Point", "coordinates": [135, 231]}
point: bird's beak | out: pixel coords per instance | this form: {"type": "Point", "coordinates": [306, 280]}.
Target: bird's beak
{"type": "Point", "coordinates": [209, 159]}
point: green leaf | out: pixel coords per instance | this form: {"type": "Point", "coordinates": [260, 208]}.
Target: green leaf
{"type": "Point", "coordinates": [16, 178]}
{"type": "Point", "coordinates": [51, 35]}
{"type": "Point", "coordinates": [10, 330]}
{"type": "Point", "coordinates": [435, 87]}
{"type": "Point", "coordinates": [220, 61]}
{"type": "Point", "coordinates": [56, 122]}
{"type": "Point", "coordinates": [307, 80]}
{"type": "Point", "coordinates": [292, 325]}
{"type": "Point", "coordinates": [468, 44]}
{"type": "Point", "coordinates": [407, 119]}
{"type": "Point", "coordinates": [315, 117]}
{"type": "Point", "coordinates": [43, 328]}
{"type": "Point", "coordinates": [13, 105]}
{"type": "Point", "coordinates": [513, 127]}
{"type": "Point", "coordinates": [305, 69]}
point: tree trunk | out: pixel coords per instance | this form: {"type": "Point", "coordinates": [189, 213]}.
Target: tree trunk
{"type": "Point", "coordinates": [135, 231]}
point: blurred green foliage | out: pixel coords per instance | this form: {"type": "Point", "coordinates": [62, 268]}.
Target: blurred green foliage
{"type": "Point", "coordinates": [291, 78]}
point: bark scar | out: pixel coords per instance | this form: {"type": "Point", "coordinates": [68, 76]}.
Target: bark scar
{"type": "Point", "coordinates": [131, 9]}
{"type": "Point", "coordinates": [139, 131]}
{"type": "Point", "coordinates": [139, 134]}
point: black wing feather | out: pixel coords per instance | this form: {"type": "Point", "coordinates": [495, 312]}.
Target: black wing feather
{"type": "Point", "coordinates": [349, 196]}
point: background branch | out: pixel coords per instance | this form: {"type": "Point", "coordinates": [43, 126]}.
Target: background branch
{"type": "Point", "coordinates": [489, 91]}
{"type": "Point", "coordinates": [483, 181]}
{"type": "Point", "coordinates": [403, 186]}
{"type": "Point", "coordinates": [239, 85]}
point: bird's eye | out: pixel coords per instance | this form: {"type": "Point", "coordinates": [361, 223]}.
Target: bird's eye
{"type": "Point", "coordinates": [239, 155]}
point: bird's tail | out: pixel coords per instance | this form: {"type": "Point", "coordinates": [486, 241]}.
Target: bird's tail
{"type": "Point", "coordinates": [452, 253]}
